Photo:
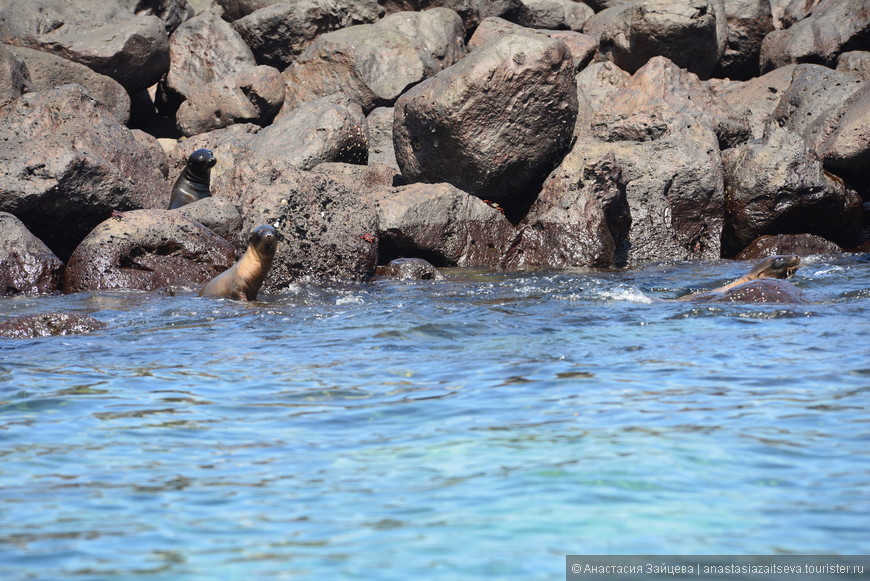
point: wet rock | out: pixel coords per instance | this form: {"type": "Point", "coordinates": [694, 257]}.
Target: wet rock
{"type": "Point", "coordinates": [360, 178]}
{"type": "Point", "coordinates": [445, 129]}
{"type": "Point", "coordinates": [328, 129]}
{"type": "Point", "coordinates": [48, 324]}
{"type": "Point", "coordinates": [66, 164]}
{"type": "Point", "coordinates": [441, 224]}
{"type": "Point", "coordinates": [552, 14]}
{"type": "Point", "coordinates": [381, 149]}
{"type": "Point", "coordinates": [812, 91]}
{"type": "Point", "coordinates": [147, 250]}
{"type": "Point", "coordinates": [778, 186]}
{"type": "Point", "coordinates": [250, 96]}
{"type": "Point", "coordinates": [582, 46]}
{"type": "Point", "coordinates": [833, 27]}
{"type": "Point", "coordinates": [757, 99]}
{"type": "Point", "coordinates": [856, 62]}
{"type": "Point", "coordinates": [48, 71]}
{"type": "Point", "coordinates": [581, 218]}
{"type": "Point", "coordinates": [26, 263]}
{"type": "Point", "coordinates": [684, 31]}
{"type": "Point", "coordinates": [661, 93]}
{"type": "Point", "coordinates": [375, 63]}
{"type": "Point", "coordinates": [409, 269]}
{"type": "Point", "coordinates": [14, 76]}
{"type": "Point", "coordinates": [760, 291]}
{"type": "Point", "coordinates": [749, 21]}
{"type": "Point", "coordinates": [600, 80]}
{"type": "Point", "coordinates": [326, 232]}
{"type": "Point", "coordinates": [799, 244]}
{"type": "Point", "coordinates": [101, 34]}
{"type": "Point", "coordinates": [279, 32]}
{"type": "Point", "coordinates": [217, 214]}
{"type": "Point", "coordinates": [202, 50]}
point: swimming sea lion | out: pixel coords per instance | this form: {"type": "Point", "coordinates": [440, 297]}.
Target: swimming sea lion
{"type": "Point", "coordinates": [243, 280]}
{"type": "Point", "coordinates": [193, 183]}
{"type": "Point", "coordinates": [777, 266]}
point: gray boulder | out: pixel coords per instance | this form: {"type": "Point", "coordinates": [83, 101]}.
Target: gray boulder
{"type": "Point", "coordinates": [841, 137]}
{"type": "Point", "coordinates": [328, 129]}
{"type": "Point", "coordinates": [472, 12]}
{"type": "Point", "coordinates": [581, 218]}
{"type": "Point", "coordinates": [778, 186]}
{"type": "Point", "coordinates": [446, 129]}
{"type": "Point", "coordinates": [441, 224]}
{"type": "Point", "coordinates": [757, 99]}
{"type": "Point", "coordinates": [26, 263]}
{"type": "Point", "coordinates": [279, 32]}
{"type": "Point", "coordinates": [437, 33]}
{"type": "Point", "coordinates": [102, 34]}
{"type": "Point", "coordinates": [217, 214]}
{"type": "Point", "coordinates": [855, 62]}
{"type": "Point", "coordinates": [14, 76]}
{"type": "Point", "coordinates": [582, 46]}
{"type": "Point", "coordinates": [48, 325]}
{"type": "Point", "coordinates": [147, 250]}
{"type": "Point", "coordinates": [813, 90]}
{"type": "Point", "coordinates": [833, 27]}
{"type": "Point", "coordinates": [253, 95]}
{"type": "Point", "coordinates": [49, 71]}
{"type": "Point", "coordinates": [552, 14]}
{"type": "Point", "coordinates": [327, 232]}
{"type": "Point", "coordinates": [66, 164]}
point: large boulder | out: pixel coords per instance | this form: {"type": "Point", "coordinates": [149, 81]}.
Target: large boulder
{"type": "Point", "coordinates": [147, 250]}
{"type": "Point", "coordinates": [326, 231]}
{"type": "Point", "coordinates": [49, 71]}
{"type": "Point", "coordinates": [833, 27]}
{"type": "Point", "coordinates": [800, 244]}
{"type": "Point", "coordinates": [279, 32]}
{"type": "Point", "coordinates": [472, 12]}
{"type": "Point", "coordinates": [26, 263]}
{"type": "Point", "coordinates": [102, 34]}
{"type": "Point", "coordinates": [813, 90]}
{"type": "Point", "coordinates": [48, 324]}
{"type": "Point", "coordinates": [778, 186]}
{"type": "Point", "coordinates": [66, 164]}
{"type": "Point", "coordinates": [219, 215]}
{"type": "Point", "coordinates": [600, 80]}
{"type": "Point", "coordinates": [855, 62]}
{"type": "Point", "coordinates": [684, 31]}
{"type": "Point", "coordinates": [757, 99]}
{"type": "Point", "coordinates": [253, 95]}
{"type": "Point", "coordinates": [203, 49]}
{"type": "Point", "coordinates": [437, 33]}
{"type": "Point", "coordinates": [661, 93]}
{"type": "Point", "coordinates": [582, 46]}
{"type": "Point", "coordinates": [441, 224]}
{"type": "Point", "coordinates": [14, 76]}
{"type": "Point", "coordinates": [841, 137]}
{"type": "Point", "coordinates": [581, 218]}
{"type": "Point", "coordinates": [749, 21]}
{"type": "Point", "coordinates": [552, 14]}
{"type": "Point", "coordinates": [494, 124]}
{"type": "Point", "coordinates": [328, 129]}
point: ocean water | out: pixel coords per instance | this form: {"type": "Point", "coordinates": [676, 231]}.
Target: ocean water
{"type": "Point", "coordinates": [478, 427]}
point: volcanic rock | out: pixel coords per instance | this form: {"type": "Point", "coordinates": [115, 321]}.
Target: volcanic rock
{"type": "Point", "coordinates": [48, 324]}
{"type": "Point", "coordinates": [26, 263]}
{"type": "Point", "coordinates": [799, 244]}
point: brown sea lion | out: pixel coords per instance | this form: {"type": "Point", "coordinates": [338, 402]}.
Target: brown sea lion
{"type": "Point", "coordinates": [243, 280]}
{"type": "Point", "coordinates": [778, 266]}
{"type": "Point", "coordinates": [193, 183]}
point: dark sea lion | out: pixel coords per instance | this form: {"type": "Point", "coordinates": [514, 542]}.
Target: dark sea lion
{"type": "Point", "coordinates": [193, 183]}
{"type": "Point", "coordinates": [243, 280]}
{"type": "Point", "coordinates": [772, 267]}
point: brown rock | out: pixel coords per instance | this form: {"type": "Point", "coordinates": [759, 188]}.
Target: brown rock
{"type": "Point", "coordinates": [600, 80]}
{"type": "Point", "coordinates": [841, 137]}
{"type": "Point", "coordinates": [218, 214]}
{"type": "Point", "coordinates": [66, 164]}
{"type": "Point", "coordinates": [26, 263]}
{"type": "Point", "coordinates": [813, 90]}
{"type": "Point", "coordinates": [254, 95]}
{"type": "Point", "coordinates": [48, 324]}
{"type": "Point", "coordinates": [552, 14]}
{"type": "Point", "coordinates": [582, 46]}
{"type": "Point", "coordinates": [799, 244]}
{"type": "Point", "coordinates": [777, 186]}
{"type": "Point", "coordinates": [147, 250]}
{"type": "Point", "coordinates": [757, 99]}
{"type": "Point", "coordinates": [360, 178]}
{"type": "Point", "coordinates": [446, 129]}
{"type": "Point", "coordinates": [437, 33]}
{"type": "Point", "coordinates": [749, 21]}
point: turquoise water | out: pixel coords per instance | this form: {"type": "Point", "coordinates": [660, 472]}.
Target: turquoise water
{"type": "Point", "coordinates": [479, 427]}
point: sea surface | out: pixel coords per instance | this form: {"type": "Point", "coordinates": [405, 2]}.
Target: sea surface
{"type": "Point", "coordinates": [478, 427]}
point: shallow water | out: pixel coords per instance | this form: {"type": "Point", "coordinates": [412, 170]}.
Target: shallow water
{"type": "Point", "coordinates": [479, 427]}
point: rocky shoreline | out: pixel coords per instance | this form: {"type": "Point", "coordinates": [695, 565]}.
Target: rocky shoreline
{"type": "Point", "coordinates": [507, 134]}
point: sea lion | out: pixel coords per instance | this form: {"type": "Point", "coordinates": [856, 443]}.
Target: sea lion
{"type": "Point", "coordinates": [777, 266]}
{"type": "Point", "coordinates": [193, 183]}
{"type": "Point", "coordinates": [243, 280]}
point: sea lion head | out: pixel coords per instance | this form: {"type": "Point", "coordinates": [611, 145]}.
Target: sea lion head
{"type": "Point", "coordinates": [264, 240]}
{"type": "Point", "coordinates": [201, 161]}
{"type": "Point", "coordinates": [777, 266]}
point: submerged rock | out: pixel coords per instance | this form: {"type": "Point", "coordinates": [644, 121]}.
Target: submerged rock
{"type": "Point", "coordinates": [48, 324]}
{"type": "Point", "coordinates": [409, 269]}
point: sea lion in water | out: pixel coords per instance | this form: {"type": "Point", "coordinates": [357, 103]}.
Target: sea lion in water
{"type": "Point", "coordinates": [777, 266]}
{"type": "Point", "coordinates": [193, 183]}
{"type": "Point", "coordinates": [243, 280]}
